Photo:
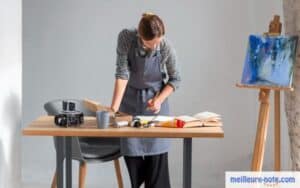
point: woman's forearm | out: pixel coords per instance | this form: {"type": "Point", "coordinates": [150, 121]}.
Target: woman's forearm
{"type": "Point", "coordinates": [119, 89]}
{"type": "Point", "coordinates": [165, 93]}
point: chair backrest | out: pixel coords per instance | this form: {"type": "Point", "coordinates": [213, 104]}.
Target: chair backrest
{"type": "Point", "coordinates": [54, 107]}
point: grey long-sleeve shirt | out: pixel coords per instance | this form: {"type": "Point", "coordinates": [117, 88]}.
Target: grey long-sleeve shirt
{"type": "Point", "coordinates": [169, 60]}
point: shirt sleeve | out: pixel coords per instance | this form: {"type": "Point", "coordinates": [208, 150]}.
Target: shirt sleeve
{"type": "Point", "coordinates": [123, 46]}
{"type": "Point", "coordinates": [170, 61]}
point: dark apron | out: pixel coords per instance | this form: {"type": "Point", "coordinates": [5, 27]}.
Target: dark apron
{"type": "Point", "coordinates": [146, 79]}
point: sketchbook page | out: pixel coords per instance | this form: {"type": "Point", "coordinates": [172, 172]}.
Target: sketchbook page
{"type": "Point", "coordinates": [207, 116]}
{"type": "Point", "coordinates": [186, 118]}
{"type": "Point", "coordinates": [157, 118]}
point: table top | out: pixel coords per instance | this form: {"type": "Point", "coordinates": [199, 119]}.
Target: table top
{"type": "Point", "coordinates": [45, 126]}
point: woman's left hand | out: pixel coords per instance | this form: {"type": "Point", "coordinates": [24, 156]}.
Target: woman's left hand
{"type": "Point", "coordinates": [154, 104]}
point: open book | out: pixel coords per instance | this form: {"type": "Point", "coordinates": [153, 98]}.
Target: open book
{"type": "Point", "coordinates": [198, 120]}
{"type": "Point", "coordinates": [207, 119]}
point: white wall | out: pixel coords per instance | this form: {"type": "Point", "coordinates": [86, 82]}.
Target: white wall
{"type": "Point", "coordinates": [10, 94]}
{"type": "Point", "coordinates": [63, 37]}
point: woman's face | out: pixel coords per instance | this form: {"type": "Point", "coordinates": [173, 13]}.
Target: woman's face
{"type": "Point", "coordinates": [151, 44]}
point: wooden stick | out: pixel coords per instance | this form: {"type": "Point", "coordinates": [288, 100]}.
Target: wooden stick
{"type": "Point", "coordinates": [261, 134]}
{"type": "Point", "coordinates": [275, 25]}
{"type": "Point", "coordinates": [265, 87]}
{"type": "Point", "coordinates": [277, 142]}
{"type": "Point", "coordinates": [275, 30]}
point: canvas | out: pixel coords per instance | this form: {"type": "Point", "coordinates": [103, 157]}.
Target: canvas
{"type": "Point", "coordinates": [270, 60]}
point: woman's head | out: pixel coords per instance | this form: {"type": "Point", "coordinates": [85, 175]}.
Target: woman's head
{"type": "Point", "coordinates": [151, 30]}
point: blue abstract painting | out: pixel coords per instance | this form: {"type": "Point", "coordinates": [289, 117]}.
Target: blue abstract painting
{"type": "Point", "coordinates": [270, 60]}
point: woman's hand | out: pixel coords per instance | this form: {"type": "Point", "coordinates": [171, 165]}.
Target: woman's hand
{"type": "Point", "coordinates": [119, 90]}
{"type": "Point", "coordinates": [113, 109]}
{"type": "Point", "coordinates": [154, 104]}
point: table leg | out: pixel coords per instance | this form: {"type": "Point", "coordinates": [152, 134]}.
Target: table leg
{"type": "Point", "coordinates": [69, 162]}
{"type": "Point", "coordinates": [187, 163]}
{"type": "Point", "coordinates": [59, 162]}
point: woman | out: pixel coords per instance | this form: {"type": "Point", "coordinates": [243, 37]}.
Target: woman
{"type": "Point", "coordinates": [146, 75]}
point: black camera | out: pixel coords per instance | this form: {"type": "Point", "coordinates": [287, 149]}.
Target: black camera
{"type": "Point", "coordinates": [69, 116]}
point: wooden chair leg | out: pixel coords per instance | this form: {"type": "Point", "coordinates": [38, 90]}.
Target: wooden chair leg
{"type": "Point", "coordinates": [82, 174]}
{"type": "Point", "coordinates": [118, 173]}
{"type": "Point", "coordinates": [54, 180]}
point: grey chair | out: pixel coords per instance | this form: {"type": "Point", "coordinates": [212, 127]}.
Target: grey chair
{"type": "Point", "coordinates": [88, 149]}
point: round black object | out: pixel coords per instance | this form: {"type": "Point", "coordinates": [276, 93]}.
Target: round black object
{"type": "Point", "coordinates": [61, 120]}
{"type": "Point", "coordinates": [137, 124]}
{"type": "Point", "coordinates": [69, 118]}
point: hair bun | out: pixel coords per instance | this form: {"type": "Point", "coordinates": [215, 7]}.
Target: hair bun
{"type": "Point", "coordinates": [146, 14]}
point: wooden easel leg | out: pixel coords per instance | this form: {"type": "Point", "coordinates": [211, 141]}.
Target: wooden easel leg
{"type": "Point", "coordinates": [277, 141]}
{"type": "Point", "coordinates": [261, 134]}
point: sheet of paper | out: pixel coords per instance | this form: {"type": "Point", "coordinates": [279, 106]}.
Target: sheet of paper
{"type": "Point", "coordinates": [158, 118]}
{"type": "Point", "coordinates": [186, 118]}
{"type": "Point", "coordinates": [207, 115]}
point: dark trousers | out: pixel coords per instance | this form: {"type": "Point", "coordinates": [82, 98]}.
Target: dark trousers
{"type": "Point", "coordinates": [152, 170]}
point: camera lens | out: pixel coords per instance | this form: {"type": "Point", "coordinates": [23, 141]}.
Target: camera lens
{"type": "Point", "coordinates": [65, 105]}
{"type": "Point", "coordinates": [71, 106]}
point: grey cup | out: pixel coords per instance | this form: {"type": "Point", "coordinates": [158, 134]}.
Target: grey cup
{"type": "Point", "coordinates": [102, 119]}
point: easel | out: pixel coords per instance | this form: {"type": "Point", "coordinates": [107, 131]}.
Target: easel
{"type": "Point", "coordinates": [263, 120]}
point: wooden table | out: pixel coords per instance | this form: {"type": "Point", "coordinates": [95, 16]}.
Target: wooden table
{"type": "Point", "coordinates": [44, 126]}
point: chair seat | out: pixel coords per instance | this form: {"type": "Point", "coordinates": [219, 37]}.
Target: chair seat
{"type": "Point", "coordinates": [100, 148]}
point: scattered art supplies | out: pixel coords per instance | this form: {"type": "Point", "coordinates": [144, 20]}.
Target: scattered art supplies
{"type": "Point", "coordinates": [203, 119]}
